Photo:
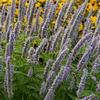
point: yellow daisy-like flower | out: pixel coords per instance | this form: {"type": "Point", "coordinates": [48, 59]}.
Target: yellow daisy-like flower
{"type": "Point", "coordinates": [92, 5]}
{"type": "Point", "coordinates": [93, 19]}
{"type": "Point", "coordinates": [89, 6]}
{"type": "Point", "coordinates": [38, 4]}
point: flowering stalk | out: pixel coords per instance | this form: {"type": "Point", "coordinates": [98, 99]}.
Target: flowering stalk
{"type": "Point", "coordinates": [12, 10]}
{"type": "Point", "coordinates": [49, 43]}
{"type": "Point", "coordinates": [87, 55]}
{"type": "Point", "coordinates": [35, 56]}
{"type": "Point", "coordinates": [77, 20]}
{"type": "Point", "coordinates": [55, 39]}
{"type": "Point", "coordinates": [82, 83]}
{"type": "Point", "coordinates": [3, 17]}
{"type": "Point", "coordinates": [96, 65]}
{"type": "Point", "coordinates": [47, 6]}
{"type": "Point", "coordinates": [62, 75]}
{"type": "Point", "coordinates": [17, 29]}
{"type": "Point", "coordinates": [48, 19]}
{"type": "Point", "coordinates": [81, 42]}
{"type": "Point", "coordinates": [20, 10]}
{"type": "Point", "coordinates": [26, 45]}
{"type": "Point", "coordinates": [7, 20]}
{"type": "Point", "coordinates": [9, 46]}
{"type": "Point", "coordinates": [64, 38]}
{"type": "Point", "coordinates": [90, 97]}
{"type": "Point", "coordinates": [28, 9]}
{"type": "Point", "coordinates": [87, 26]}
{"type": "Point", "coordinates": [47, 68]}
{"type": "Point", "coordinates": [46, 24]}
{"type": "Point", "coordinates": [8, 78]}
{"type": "Point", "coordinates": [90, 50]}
{"type": "Point", "coordinates": [30, 20]}
{"type": "Point", "coordinates": [30, 53]}
{"type": "Point", "coordinates": [8, 32]}
{"type": "Point", "coordinates": [60, 16]}
{"type": "Point", "coordinates": [69, 9]}
{"type": "Point", "coordinates": [76, 48]}
{"type": "Point", "coordinates": [54, 70]}
{"type": "Point", "coordinates": [37, 21]}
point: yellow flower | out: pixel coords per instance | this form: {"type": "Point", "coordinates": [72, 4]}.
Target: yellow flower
{"type": "Point", "coordinates": [60, 5]}
{"type": "Point", "coordinates": [17, 12]}
{"type": "Point", "coordinates": [38, 4]}
{"type": "Point", "coordinates": [89, 6]}
{"type": "Point", "coordinates": [26, 4]}
{"type": "Point", "coordinates": [93, 19]}
{"type": "Point", "coordinates": [93, 6]}
{"type": "Point", "coordinates": [81, 27]}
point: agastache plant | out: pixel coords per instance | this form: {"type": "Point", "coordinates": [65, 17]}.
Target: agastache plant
{"type": "Point", "coordinates": [61, 16]}
{"type": "Point", "coordinates": [35, 56]}
{"type": "Point", "coordinates": [55, 69]}
{"type": "Point", "coordinates": [12, 10]}
{"type": "Point", "coordinates": [69, 9]}
{"type": "Point", "coordinates": [65, 35]}
{"type": "Point", "coordinates": [46, 9]}
{"type": "Point", "coordinates": [28, 9]}
{"type": "Point", "coordinates": [56, 39]}
{"type": "Point", "coordinates": [37, 25]}
{"type": "Point", "coordinates": [29, 23]}
{"type": "Point", "coordinates": [50, 16]}
{"type": "Point", "coordinates": [87, 26]}
{"type": "Point", "coordinates": [77, 20]}
{"type": "Point", "coordinates": [8, 78]}
{"type": "Point", "coordinates": [90, 97]}
{"type": "Point", "coordinates": [47, 68]}
{"type": "Point", "coordinates": [62, 75]}
{"type": "Point", "coordinates": [7, 20]}
{"type": "Point", "coordinates": [64, 53]}
{"type": "Point", "coordinates": [96, 65]}
{"type": "Point", "coordinates": [17, 29]}
{"type": "Point", "coordinates": [3, 17]}
{"type": "Point", "coordinates": [8, 32]}
{"type": "Point", "coordinates": [89, 51]}
{"type": "Point", "coordinates": [82, 83]}
{"type": "Point", "coordinates": [26, 45]}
